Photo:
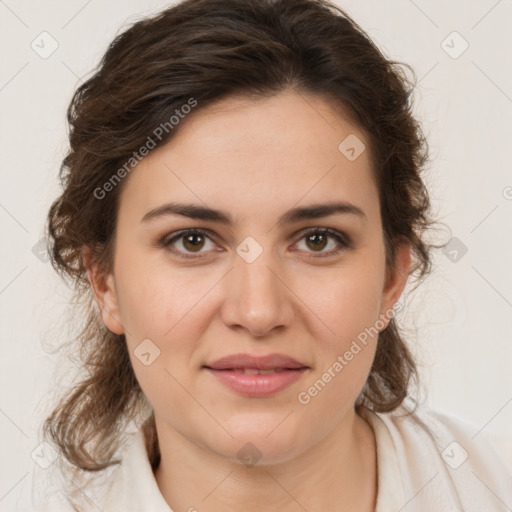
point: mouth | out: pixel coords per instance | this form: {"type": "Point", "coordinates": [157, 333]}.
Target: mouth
{"type": "Point", "coordinates": [255, 371]}
{"type": "Point", "coordinates": [256, 376]}
{"type": "Point", "coordinates": [272, 362]}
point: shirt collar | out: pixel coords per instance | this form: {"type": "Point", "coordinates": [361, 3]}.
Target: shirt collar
{"type": "Point", "coordinates": [134, 487]}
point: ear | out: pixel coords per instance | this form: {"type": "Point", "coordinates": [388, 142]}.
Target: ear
{"type": "Point", "coordinates": [396, 280]}
{"type": "Point", "coordinates": [103, 288]}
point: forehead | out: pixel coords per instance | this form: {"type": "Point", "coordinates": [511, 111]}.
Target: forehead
{"type": "Point", "coordinates": [249, 155]}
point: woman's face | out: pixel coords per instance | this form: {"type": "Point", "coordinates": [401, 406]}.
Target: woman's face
{"type": "Point", "coordinates": [258, 279]}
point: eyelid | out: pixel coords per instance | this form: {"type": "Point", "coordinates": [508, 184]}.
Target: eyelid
{"type": "Point", "coordinates": [341, 237]}
{"type": "Point", "coordinates": [167, 241]}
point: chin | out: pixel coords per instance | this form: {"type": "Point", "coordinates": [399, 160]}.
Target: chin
{"type": "Point", "coordinates": [261, 441]}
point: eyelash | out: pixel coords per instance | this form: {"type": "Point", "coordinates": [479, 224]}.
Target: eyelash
{"type": "Point", "coordinates": [167, 242]}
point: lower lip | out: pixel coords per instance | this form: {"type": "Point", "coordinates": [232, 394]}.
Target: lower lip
{"type": "Point", "coordinates": [258, 385]}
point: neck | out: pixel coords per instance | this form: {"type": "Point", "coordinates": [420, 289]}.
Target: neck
{"type": "Point", "coordinates": [340, 469]}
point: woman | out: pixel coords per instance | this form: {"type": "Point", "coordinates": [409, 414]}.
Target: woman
{"type": "Point", "coordinates": [243, 199]}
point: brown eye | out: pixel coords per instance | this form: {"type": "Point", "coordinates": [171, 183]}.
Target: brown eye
{"type": "Point", "coordinates": [193, 242]}
{"type": "Point", "coordinates": [188, 244]}
{"type": "Point", "coordinates": [316, 241]}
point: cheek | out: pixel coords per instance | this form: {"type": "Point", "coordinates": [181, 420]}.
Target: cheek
{"type": "Point", "coordinates": [164, 306]}
{"type": "Point", "coordinates": [346, 300]}
{"type": "Point", "coordinates": [350, 308]}
{"type": "Point", "coordinates": [356, 304]}
{"type": "Point", "coordinates": [153, 297]}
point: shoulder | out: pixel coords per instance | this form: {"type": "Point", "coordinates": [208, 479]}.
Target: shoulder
{"type": "Point", "coordinates": [53, 488]}
{"type": "Point", "coordinates": [51, 485]}
{"type": "Point", "coordinates": [455, 439]}
{"type": "Point", "coordinates": [445, 458]}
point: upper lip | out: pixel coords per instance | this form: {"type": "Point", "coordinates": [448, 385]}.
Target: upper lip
{"type": "Point", "coordinates": [267, 362]}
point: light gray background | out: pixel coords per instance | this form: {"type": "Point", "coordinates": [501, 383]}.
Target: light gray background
{"type": "Point", "coordinates": [461, 314]}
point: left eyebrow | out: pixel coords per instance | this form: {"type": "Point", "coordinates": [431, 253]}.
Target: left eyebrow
{"type": "Point", "coordinates": [314, 211]}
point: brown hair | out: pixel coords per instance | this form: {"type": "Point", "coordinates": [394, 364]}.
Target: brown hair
{"type": "Point", "coordinates": [208, 50]}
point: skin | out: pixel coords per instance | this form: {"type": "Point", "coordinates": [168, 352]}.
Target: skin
{"type": "Point", "coordinates": [247, 158]}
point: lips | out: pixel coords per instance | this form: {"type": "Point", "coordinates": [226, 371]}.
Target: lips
{"type": "Point", "coordinates": [271, 362]}
{"type": "Point", "coordinates": [253, 376]}
{"type": "Point", "coordinates": [256, 371]}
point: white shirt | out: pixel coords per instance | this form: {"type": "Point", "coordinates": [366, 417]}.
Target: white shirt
{"type": "Point", "coordinates": [426, 462]}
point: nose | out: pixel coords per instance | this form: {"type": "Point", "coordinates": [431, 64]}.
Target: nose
{"type": "Point", "coordinates": [257, 298]}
